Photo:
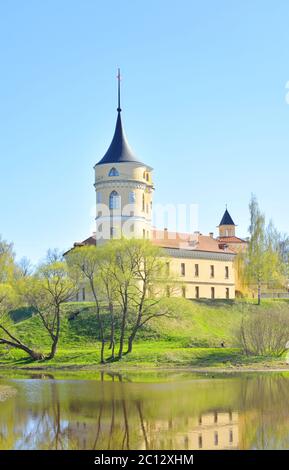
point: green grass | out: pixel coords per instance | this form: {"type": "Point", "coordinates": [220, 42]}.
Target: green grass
{"type": "Point", "coordinates": [191, 339]}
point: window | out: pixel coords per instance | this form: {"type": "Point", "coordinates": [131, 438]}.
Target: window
{"type": "Point", "coordinates": [98, 197]}
{"type": "Point", "coordinates": [215, 417]}
{"type": "Point", "coordinates": [143, 202]}
{"type": "Point", "coordinates": [183, 269]}
{"type": "Point", "coordinates": [196, 270]}
{"type": "Point", "coordinates": [168, 291]}
{"type": "Point", "coordinates": [227, 272]}
{"type": "Point", "coordinates": [184, 292]}
{"type": "Point", "coordinates": [216, 439]}
{"type": "Point", "coordinates": [77, 296]}
{"type": "Point", "coordinates": [114, 200]}
{"type": "Point", "coordinates": [100, 228]}
{"type": "Point", "coordinates": [147, 176]}
{"type": "Point", "coordinates": [231, 436]}
{"type": "Point", "coordinates": [132, 228]}
{"type": "Point", "coordinates": [83, 293]}
{"type": "Point", "coordinates": [212, 292]}
{"type": "Point", "coordinates": [143, 233]}
{"type": "Point", "coordinates": [197, 292]}
{"type": "Point", "coordinates": [227, 293]}
{"type": "Point", "coordinates": [113, 172]}
{"type": "Point", "coordinates": [200, 441]}
{"type": "Point", "coordinates": [112, 232]}
{"type": "Point", "coordinates": [212, 270]}
{"type": "Point", "coordinates": [131, 197]}
{"type": "Point", "coordinates": [99, 214]}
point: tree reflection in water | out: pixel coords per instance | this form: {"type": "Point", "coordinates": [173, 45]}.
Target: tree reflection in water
{"type": "Point", "coordinates": [245, 411]}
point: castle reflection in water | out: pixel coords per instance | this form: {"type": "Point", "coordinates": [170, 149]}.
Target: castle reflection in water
{"type": "Point", "coordinates": [213, 430]}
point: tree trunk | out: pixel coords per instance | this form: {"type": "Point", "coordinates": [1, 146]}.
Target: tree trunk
{"type": "Point", "coordinates": [122, 331]}
{"type": "Point", "coordinates": [130, 341]}
{"type": "Point", "coordinates": [36, 356]}
{"type": "Point", "coordinates": [138, 320]}
{"type": "Point", "coordinates": [55, 337]}
{"type": "Point", "coordinates": [99, 321]}
{"type": "Point", "coordinates": [112, 330]}
{"type": "Point", "coordinates": [259, 293]}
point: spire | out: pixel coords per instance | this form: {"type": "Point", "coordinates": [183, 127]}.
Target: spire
{"type": "Point", "coordinates": [119, 149]}
{"type": "Point", "coordinates": [118, 91]}
{"type": "Point", "coordinates": [227, 219]}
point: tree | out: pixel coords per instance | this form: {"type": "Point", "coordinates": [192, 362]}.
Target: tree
{"type": "Point", "coordinates": [24, 267]}
{"type": "Point", "coordinates": [152, 277]}
{"type": "Point", "coordinates": [265, 333]}
{"type": "Point", "coordinates": [9, 300]}
{"type": "Point", "coordinates": [46, 292]}
{"type": "Point", "coordinates": [84, 263]}
{"type": "Point", "coordinates": [8, 337]}
{"type": "Point", "coordinates": [123, 273]}
{"type": "Point", "coordinates": [262, 262]}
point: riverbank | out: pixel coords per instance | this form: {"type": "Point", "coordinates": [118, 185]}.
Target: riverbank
{"type": "Point", "coordinates": [149, 356]}
{"type": "Point", "coordinates": [190, 340]}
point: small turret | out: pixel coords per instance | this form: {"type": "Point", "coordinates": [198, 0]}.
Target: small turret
{"type": "Point", "coordinates": [227, 226]}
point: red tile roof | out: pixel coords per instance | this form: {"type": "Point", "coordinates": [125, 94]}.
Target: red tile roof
{"type": "Point", "coordinates": [195, 241]}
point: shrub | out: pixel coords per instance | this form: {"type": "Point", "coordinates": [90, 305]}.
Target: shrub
{"type": "Point", "coordinates": [265, 333]}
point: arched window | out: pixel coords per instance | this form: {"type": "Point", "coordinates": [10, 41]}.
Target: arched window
{"type": "Point", "coordinates": [131, 197]}
{"type": "Point", "coordinates": [114, 200]}
{"type": "Point", "coordinates": [113, 172]}
{"type": "Point", "coordinates": [143, 202]}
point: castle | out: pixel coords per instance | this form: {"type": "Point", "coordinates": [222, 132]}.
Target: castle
{"type": "Point", "coordinates": [124, 204]}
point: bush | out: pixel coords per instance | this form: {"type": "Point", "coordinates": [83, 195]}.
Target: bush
{"type": "Point", "coordinates": [265, 333]}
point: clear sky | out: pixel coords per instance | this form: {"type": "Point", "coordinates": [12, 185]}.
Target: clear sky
{"type": "Point", "coordinates": [204, 88]}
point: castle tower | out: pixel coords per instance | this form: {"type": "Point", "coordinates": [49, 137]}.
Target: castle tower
{"type": "Point", "coordinates": [226, 226]}
{"type": "Point", "coordinates": [124, 189]}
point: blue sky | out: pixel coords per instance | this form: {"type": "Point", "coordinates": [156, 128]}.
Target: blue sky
{"type": "Point", "coordinates": [204, 87]}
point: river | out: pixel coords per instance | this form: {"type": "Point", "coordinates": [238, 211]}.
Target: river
{"type": "Point", "coordinates": [145, 411]}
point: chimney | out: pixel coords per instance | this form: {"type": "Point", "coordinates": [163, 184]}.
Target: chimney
{"type": "Point", "coordinates": [211, 234]}
{"type": "Point", "coordinates": [165, 233]}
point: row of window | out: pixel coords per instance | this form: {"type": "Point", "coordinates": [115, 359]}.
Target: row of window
{"type": "Point", "coordinates": [113, 172]}
{"type": "Point", "coordinates": [197, 271]}
{"type": "Point", "coordinates": [184, 290]}
{"type": "Point", "coordinates": [115, 199]}
{"type": "Point", "coordinates": [216, 439]}
{"type": "Point", "coordinates": [198, 293]}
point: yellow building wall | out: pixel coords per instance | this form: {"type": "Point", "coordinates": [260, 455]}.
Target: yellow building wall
{"type": "Point", "coordinates": [204, 281]}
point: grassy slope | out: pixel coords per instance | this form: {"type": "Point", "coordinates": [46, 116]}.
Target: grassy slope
{"type": "Point", "coordinates": [191, 339]}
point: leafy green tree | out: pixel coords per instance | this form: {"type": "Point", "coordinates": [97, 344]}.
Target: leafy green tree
{"type": "Point", "coordinates": [9, 300]}
{"type": "Point", "coordinates": [262, 261]}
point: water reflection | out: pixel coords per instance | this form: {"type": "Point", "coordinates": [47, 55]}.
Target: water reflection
{"type": "Point", "coordinates": [114, 413]}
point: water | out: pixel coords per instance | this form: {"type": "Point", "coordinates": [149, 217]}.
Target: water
{"type": "Point", "coordinates": [246, 411]}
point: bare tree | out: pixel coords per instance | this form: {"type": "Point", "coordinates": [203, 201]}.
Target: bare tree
{"type": "Point", "coordinates": [46, 292]}
{"type": "Point", "coordinates": [84, 263]}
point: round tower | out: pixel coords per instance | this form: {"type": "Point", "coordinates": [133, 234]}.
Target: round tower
{"type": "Point", "coordinates": [124, 190]}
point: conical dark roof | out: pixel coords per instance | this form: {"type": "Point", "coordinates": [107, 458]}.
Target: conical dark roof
{"type": "Point", "coordinates": [119, 149]}
{"type": "Point", "coordinates": [227, 219]}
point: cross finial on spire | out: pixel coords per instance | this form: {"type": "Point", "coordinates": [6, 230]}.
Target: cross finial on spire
{"type": "Point", "coordinates": [118, 80]}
